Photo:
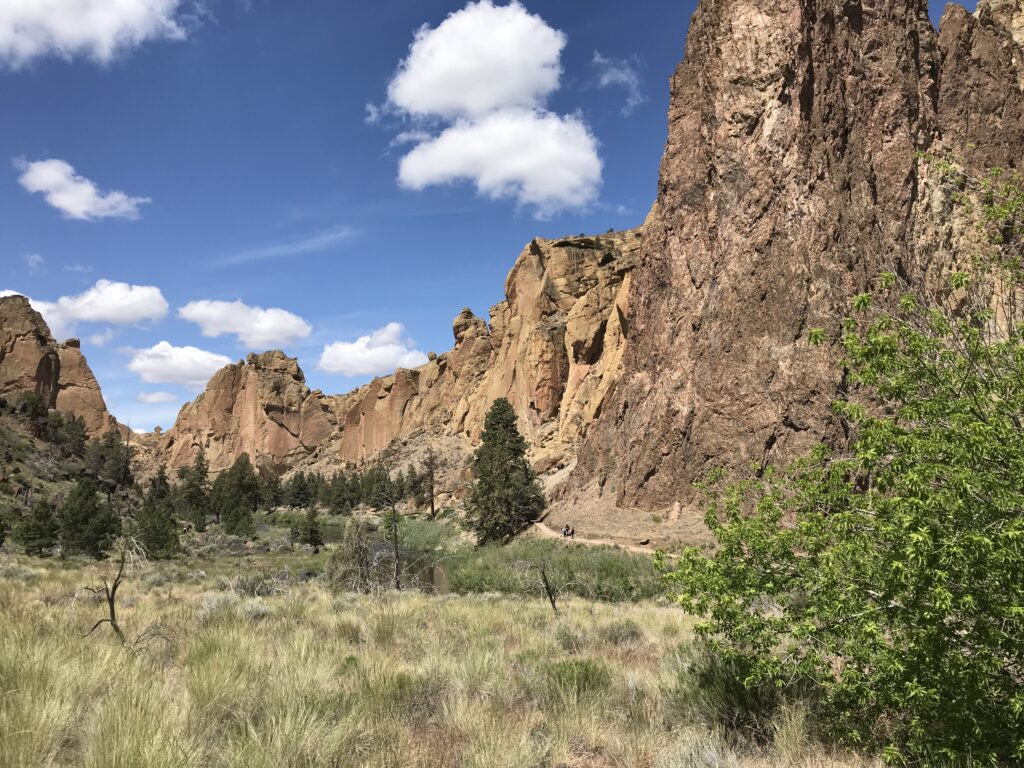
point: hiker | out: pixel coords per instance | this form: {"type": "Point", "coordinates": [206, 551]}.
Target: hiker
{"type": "Point", "coordinates": [572, 533]}
{"type": "Point", "coordinates": [565, 531]}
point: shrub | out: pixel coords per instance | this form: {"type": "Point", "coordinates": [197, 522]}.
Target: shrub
{"type": "Point", "coordinates": [575, 680]}
{"type": "Point", "coordinates": [622, 632]}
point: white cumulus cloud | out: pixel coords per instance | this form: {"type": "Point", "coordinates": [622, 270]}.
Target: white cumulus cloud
{"type": "Point", "coordinates": [377, 353]}
{"type": "Point", "coordinates": [620, 73]}
{"type": "Point", "coordinates": [537, 158]}
{"type": "Point", "coordinates": [482, 58]}
{"type": "Point", "coordinates": [97, 29]}
{"type": "Point", "coordinates": [485, 73]}
{"type": "Point", "coordinates": [105, 302]}
{"type": "Point", "coordinates": [156, 398]}
{"type": "Point", "coordinates": [164, 363]}
{"type": "Point", "coordinates": [255, 327]}
{"type": "Point", "coordinates": [75, 196]}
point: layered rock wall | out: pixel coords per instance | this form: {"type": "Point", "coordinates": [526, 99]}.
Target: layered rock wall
{"type": "Point", "coordinates": [790, 179]}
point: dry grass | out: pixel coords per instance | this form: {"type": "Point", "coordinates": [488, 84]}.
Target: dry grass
{"type": "Point", "coordinates": [306, 678]}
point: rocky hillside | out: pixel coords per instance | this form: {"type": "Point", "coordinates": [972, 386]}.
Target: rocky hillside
{"type": "Point", "coordinates": [553, 347]}
{"type": "Point", "coordinates": [31, 360]}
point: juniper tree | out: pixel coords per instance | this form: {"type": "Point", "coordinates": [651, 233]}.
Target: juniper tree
{"type": "Point", "coordinates": [38, 532]}
{"type": "Point", "coordinates": [506, 495]}
{"type": "Point", "coordinates": [87, 525]}
{"type": "Point", "coordinates": [156, 527]}
{"type": "Point", "coordinates": [235, 497]}
{"type": "Point", "coordinates": [194, 494]}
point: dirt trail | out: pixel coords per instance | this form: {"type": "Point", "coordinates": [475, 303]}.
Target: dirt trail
{"type": "Point", "coordinates": [550, 533]}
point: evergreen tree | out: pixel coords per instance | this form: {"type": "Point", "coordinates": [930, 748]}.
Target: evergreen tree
{"type": "Point", "coordinates": [271, 493]}
{"type": "Point", "coordinates": [38, 531]}
{"type": "Point", "coordinates": [341, 496]}
{"type": "Point", "coordinates": [194, 495]}
{"type": "Point", "coordinates": [506, 495]}
{"type": "Point", "coordinates": [87, 526]}
{"type": "Point", "coordinates": [424, 483]}
{"type": "Point", "coordinates": [311, 533]}
{"type": "Point", "coordinates": [157, 528]}
{"type": "Point", "coordinates": [236, 495]}
{"type": "Point", "coordinates": [297, 492]}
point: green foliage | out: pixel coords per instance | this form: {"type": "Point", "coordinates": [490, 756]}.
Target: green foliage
{"type": "Point", "coordinates": [192, 496]}
{"type": "Point", "coordinates": [595, 573]}
{"type": "Point", "coordinates": [310, 531]}
{"type": "Point", "coordinates": [886, 583]}
{"type": "Point", "coordinates": [109, 458]}
{"type": "Point", "coordinates": [156, 527]}
{"type": "Point", "coordinates": [87, 526]}
{"type": "Point", "coordinates": [235, 496]}
{"type": "Point", "coordinates": [298, 491]}
{"type": "Point", "coordinates": [573, 681]}
{"type": "Point", "coordinates": [506, 495]}
{"type": "Point", "coordinates": [38, 531]}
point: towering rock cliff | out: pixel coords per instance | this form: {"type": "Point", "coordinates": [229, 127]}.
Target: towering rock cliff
{"type": "Point", "coordinates": [789, 179]}
{"type": "Point", "coordinates": [32, 361]}
{"type": "Point", "coordinates": [261, 407]}
{"type": "Point", "coordinates": [552, 347]}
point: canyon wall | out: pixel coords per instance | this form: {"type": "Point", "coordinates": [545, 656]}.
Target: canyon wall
{"type": "Point", "coordinates": [552, 347]}
{"type": "Point", "coordinates": [790, 178]}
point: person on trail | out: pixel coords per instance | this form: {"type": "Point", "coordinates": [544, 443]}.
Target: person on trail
{"type": "Point", "coordinates": [572, 533]}
{"type": "Point", "coordinates": [565, 531]}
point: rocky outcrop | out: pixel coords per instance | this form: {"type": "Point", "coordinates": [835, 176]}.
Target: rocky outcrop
{"type": "Point", "coordinates": [260, 406]}
{"type": "Point", "coordinates": [79, 393]}
{"type": "Point", "coordinates": [32, 361]}
{"type": "Point", "coordinates": [790, 178]}
{"type": "Point", "coordinates": [29, 359]}
{"type": "Point", "coordinates": [552, 348]}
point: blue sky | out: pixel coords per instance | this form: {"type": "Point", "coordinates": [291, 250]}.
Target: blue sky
{"type": "Point", "coordinates": [167, 175]}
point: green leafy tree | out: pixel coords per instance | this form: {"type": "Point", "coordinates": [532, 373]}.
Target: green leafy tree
{"type": "Point", "coordinates": [35, 412]}
{"type": "Point", "coordinates": [271, 493]}
{"type": "Point", "coordinates": [235, 497]}
{"type": "Point", "coordinates": [38, 531]}
{"type": "Point", "coordinates": [193, 495]}
{"type": "Point", "coordinates": [885, 584]}
{"type": "Point", "coordinates": [424, 483]}
{"type": "Point", "coordinates": [109, 458]}
{"type": "Point", "coordinates": [297, 492]}
{"type": "Point", "coordinates": [310, 530]}
{"type": "Point", "coordinates": [156, 527]}
{"type": "Point", "coordinates": [87, 525]}
{"type": "Point", "coordinates": [506, 495]}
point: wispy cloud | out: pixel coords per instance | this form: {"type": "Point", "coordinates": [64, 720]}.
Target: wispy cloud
{"type": "Point", "coordinates": [313, 243]}
{"type": "Point", "coordinates": [620, 73]}
{"type": "Point", "coordinates": [34, 262]}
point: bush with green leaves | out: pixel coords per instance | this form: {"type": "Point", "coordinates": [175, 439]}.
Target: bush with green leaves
{"type": "Point", "coordinates": [235, 496]}
{"type": "Point", "coordinates": [38, 531]}
{"type": "Point", "coordinates": [506, 496]}
{"type": "Point", "coordinates": [155, 525]}
{"type": "Point", "coordinates": [885, 583]}
{"type": "Point", "coordinates": [87, 525]}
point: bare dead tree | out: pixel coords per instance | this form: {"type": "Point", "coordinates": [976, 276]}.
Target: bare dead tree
{"type": "Point", "coordinates": [130, 556]}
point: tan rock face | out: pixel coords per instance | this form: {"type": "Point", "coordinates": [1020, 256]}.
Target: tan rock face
{"type": "Point", "coordinates": [30, 360]}
{"type": "Point", "coordinates": [550, 348]}
{"type": "Point", "coordinates": [78, 391]}
{"type": "Point", "coordinates": [262, 407]}
{"type": "Point", "coordinates": [789, 179]}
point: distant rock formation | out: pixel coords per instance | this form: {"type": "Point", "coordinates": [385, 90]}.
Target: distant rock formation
{"type": "Point", "coordinates": [260, 406]}
{"type": "Point", "coordinates": [32, 361]}
{"type": "Point", "coordinates": [552, 348]}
